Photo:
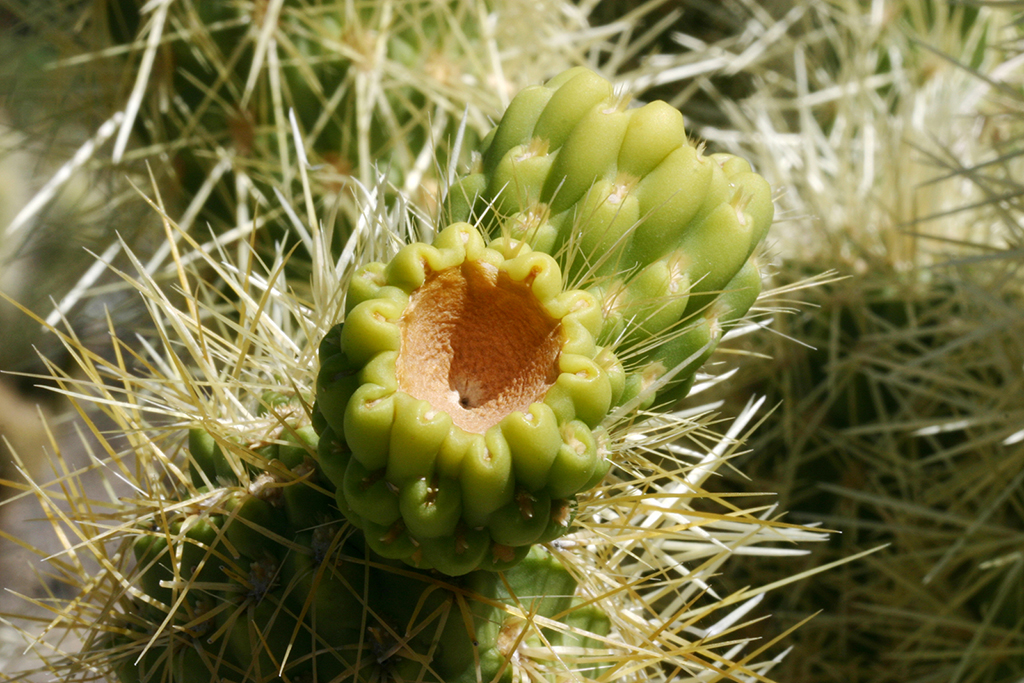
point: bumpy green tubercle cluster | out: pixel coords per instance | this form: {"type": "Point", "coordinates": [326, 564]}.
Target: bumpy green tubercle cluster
{"type": "Point", "coordinates": [663, 236]}
{"type": "Point", "coordinates": [260, 579]}
{"type": "Point", "coordinates": [462, 402]}
{"type": "Point", "coordinates": [463, 398]}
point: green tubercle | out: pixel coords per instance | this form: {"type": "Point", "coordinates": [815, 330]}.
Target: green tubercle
{"type": "Point", "coordinates": [455, 395]}
{"type": "Point", "coordinates": [484, 634]}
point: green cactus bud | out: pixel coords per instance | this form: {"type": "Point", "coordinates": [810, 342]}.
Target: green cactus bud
{"type": "Point", "coordinates": [326, 586]}
{"type": "Point", "coordinates": [731, 164]}
{"type": "Point", "coordinates": [533, 226]}
{"type": "Point", "coordinates": [273, 400]}
{"type": "Point", "coordinates": [306, 503]}
{"type": "Point", "coordinates": [368, 418]}
{"type": "Point", "coordinates": [260, 633]}
{"type": "Point", "coordinates": [533, 436]}
{"type": "Point", "coordinates": [518, 180]}
{"type": "Point", "coordinates": [464, 397]}
{"type": "Point", "coordinates": [486, 477]}
{"type": "Point", "coordinates": [684, 353]}
{"type": "Point", "coordinates": [203, 555]}
{"type": "Point", "coordinates": [364, 285]}
{"type": "Point", "coordinates": [670, 197]}
{"type": "Point", "coordinates": [332, 456]}
{"type": "Point", "coordinates": [207, 463]}
{"type": "Point", "coordinates": [582, 391]}
{"type": "Point", "coordinates": [655, 131]}
{"type": "Point", "coordinates": [393, 542]}
{"type": "Point", "coordinates": [369, 494]}
{"type": "Point", "coordinates": [299, 443]}
{"type": "Point", "coordinates": [755, 198]}
{"type": "Point", "coordinates": [430, 507]}
{"type": "Point", "coordinates": [317, 421]}
{"type": "Point", "coordinates": [741, 292]}
{"type": "Point", "coordinates": [521, 523]}
{"type": "Point", "coordinates": [655, 299]}
{"type": "Point", "coordinates": [609, 213]}
{"type": "Point", "coordinates": [417, 435]}
{"type": "Point", "coordinates": [370, 328]}
{"type": "Point", "coordinates": [154, 563]}
{"type": "Point", "coordinates": [716, 250]}
{"type": "Point", "coordinates": [638, 386]}
{"type": "Point", "coordinates": [731, 305]}
{"type": "Point", "coordinates": [575, 462]}
{"type": "Point", "coordinates": [459, 553]}
{"type": "Point", "coordinates": [460, 201]}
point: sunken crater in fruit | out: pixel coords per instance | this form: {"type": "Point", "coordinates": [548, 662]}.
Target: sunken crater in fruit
{"type": "Point", "coordinates": [477, 345]}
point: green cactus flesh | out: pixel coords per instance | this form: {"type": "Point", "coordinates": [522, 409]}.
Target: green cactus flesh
{"type": "Point", "coordinates": [247, 597]}
{"type": "Point", "coordinates": [462, 402]}
{"type": "Point", "coordinates": [661, 234]}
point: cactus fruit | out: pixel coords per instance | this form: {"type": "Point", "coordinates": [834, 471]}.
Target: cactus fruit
{"type": "Point", "coordinates": [665, 237]}
{"type": "Point", "coordinates": [462, 402]}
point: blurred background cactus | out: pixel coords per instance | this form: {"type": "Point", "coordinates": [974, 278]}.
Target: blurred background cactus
{"type": "Point", "coordinates": [888, 129]}
{"type": "Point", "coordinates": [892, 128]}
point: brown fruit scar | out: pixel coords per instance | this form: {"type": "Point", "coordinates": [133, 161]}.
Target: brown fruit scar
{"type": "Point", "coordinates": [477, 345]}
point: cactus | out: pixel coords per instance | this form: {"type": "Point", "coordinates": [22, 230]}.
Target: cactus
{"type": "Point", "coordinates": [232, 556]}
{"type": "Point", "coordinates": [217, 95]}
{"type": "Point", "coordinates": [663, 236]}
{"type": "Point", "coordinates": [252, 548]}
{"type": "Point", "coordinates": [201, 98]}
{"type": "Point", "coordinates": [899, 418]}
{"type": "Point", "coordinates": [265, 580]}
{"type": "Point", "coordinates": [361, 79]}
{"type": "Point", "coordinates": [464, 396]}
